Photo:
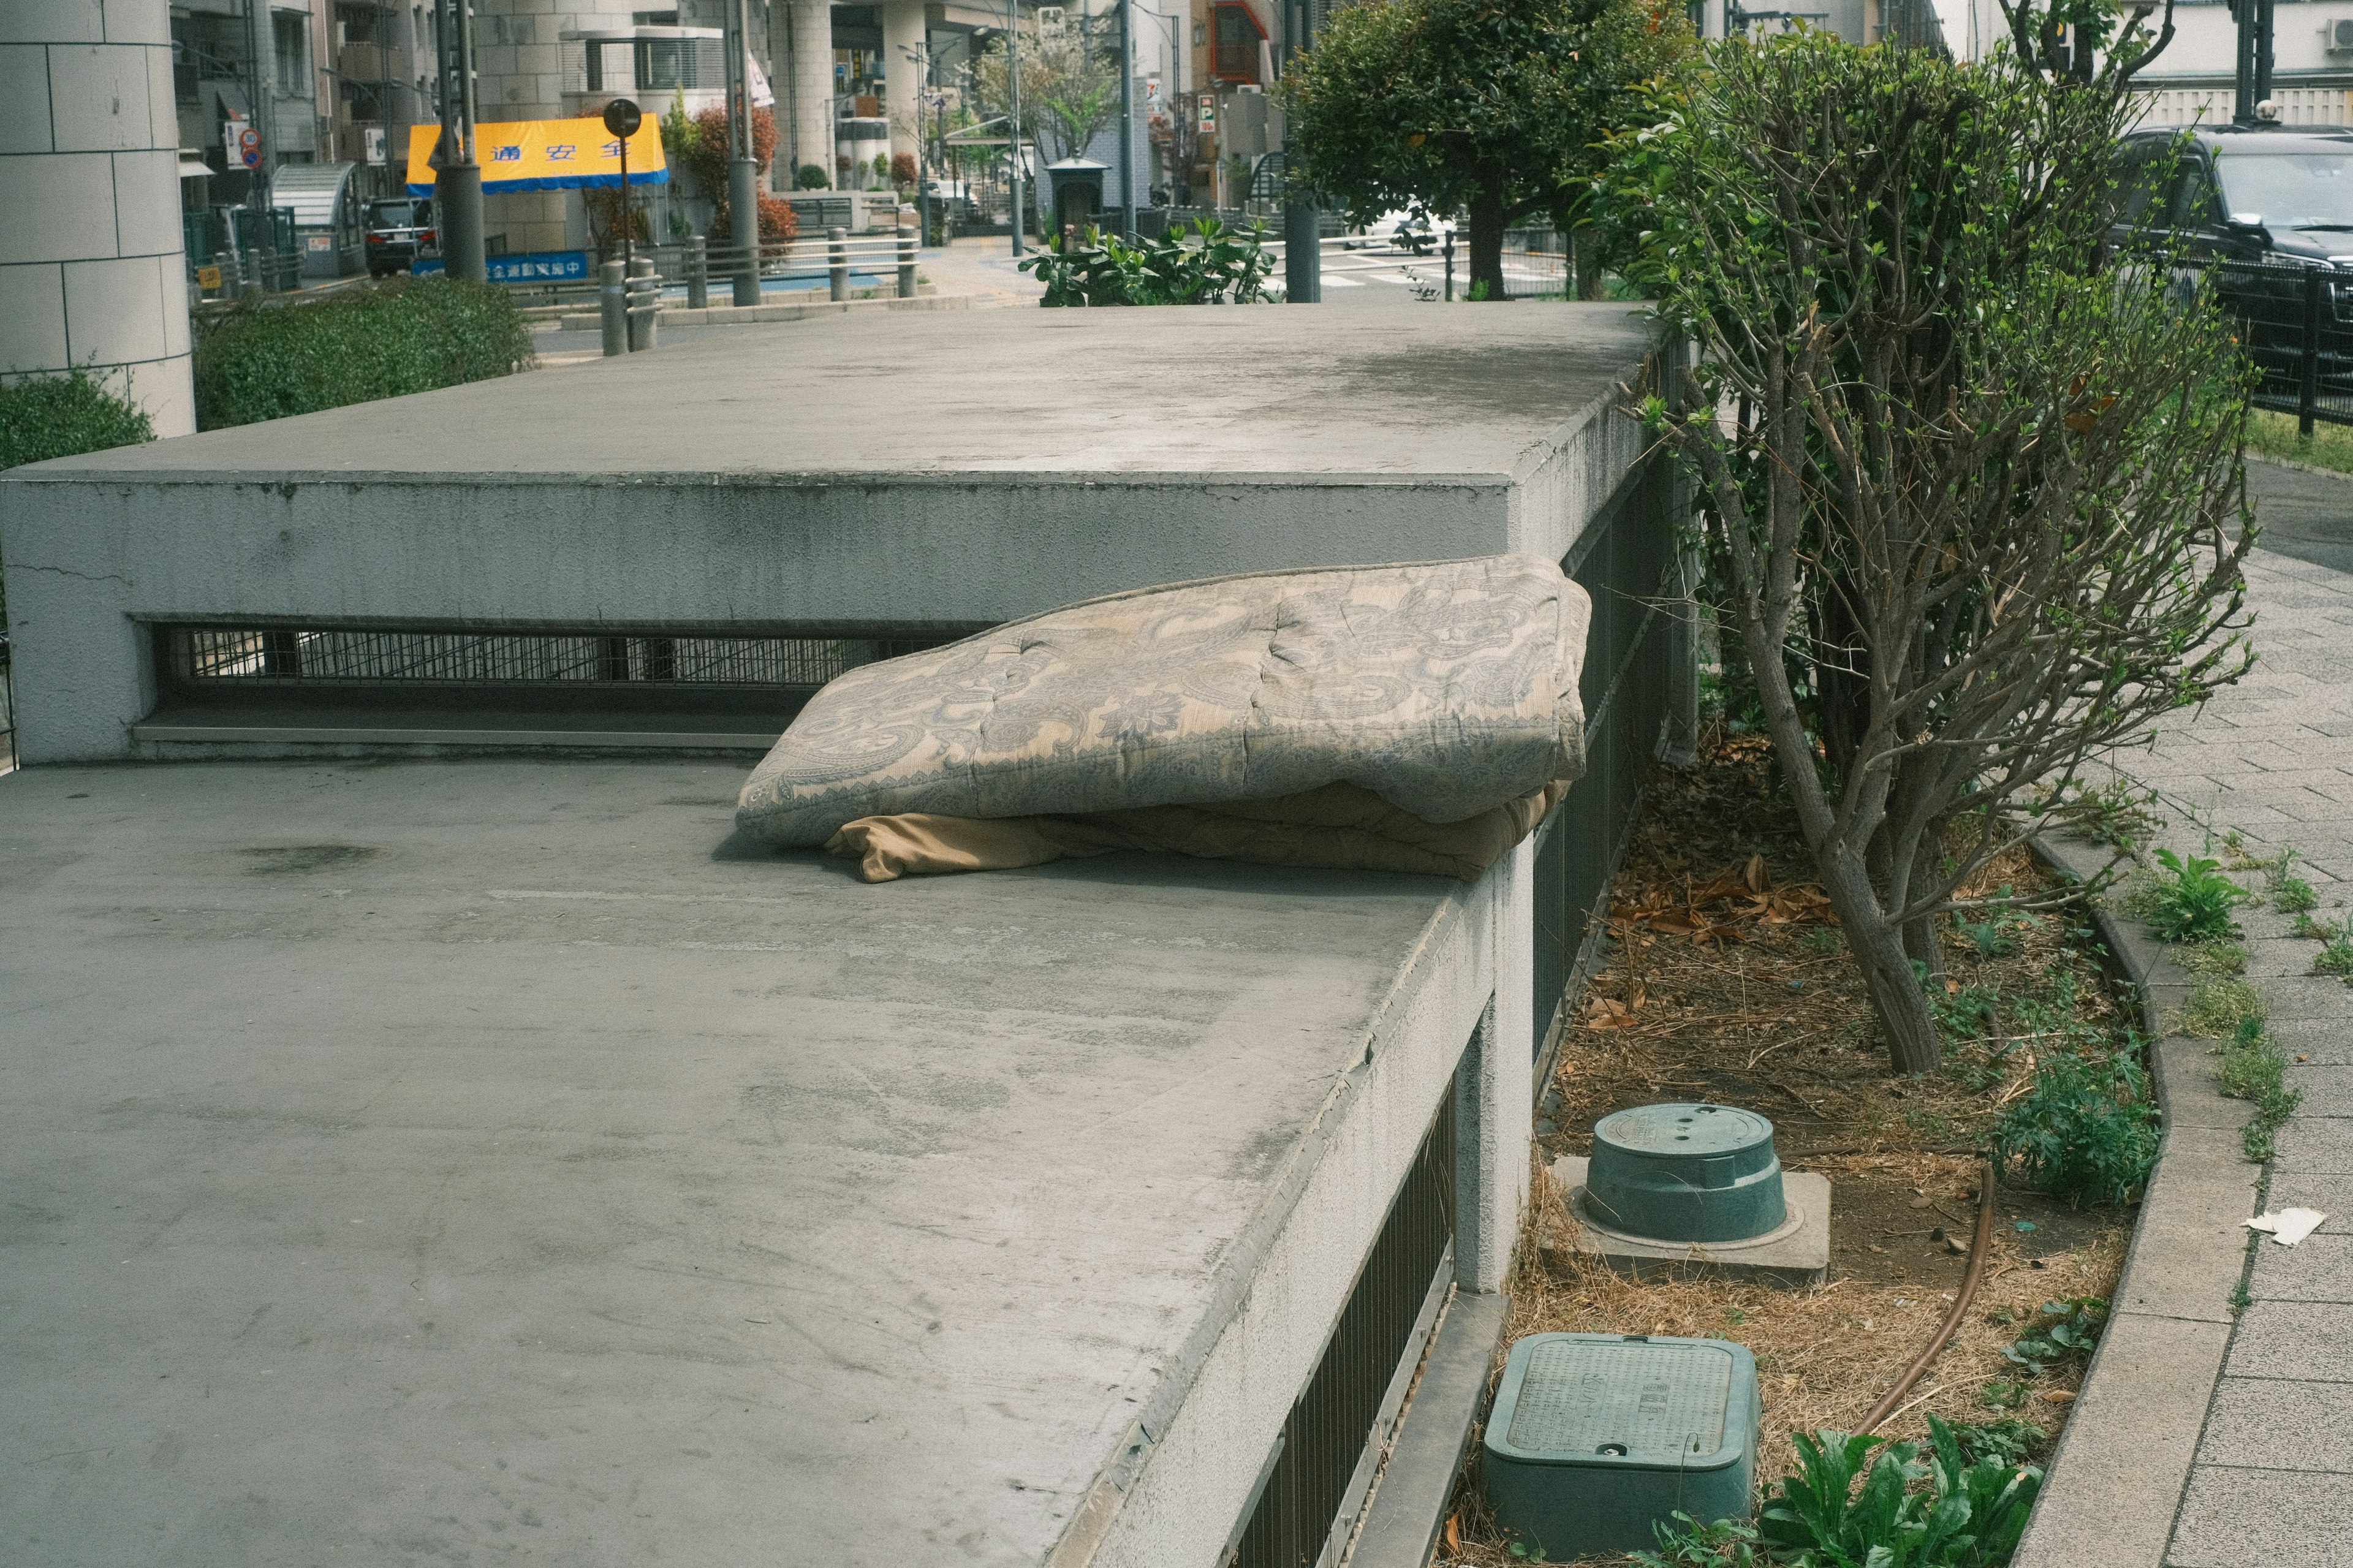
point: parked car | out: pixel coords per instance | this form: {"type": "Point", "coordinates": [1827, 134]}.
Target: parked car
{"type": "Point", "coordinates": [2276, 200]}
{"type": "Point", "coordinates": [1410, 230]}
{"type": "Point", "coordinates": [400, 230]}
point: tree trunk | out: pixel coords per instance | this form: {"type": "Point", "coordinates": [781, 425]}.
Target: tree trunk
{"type": "Point", "coordinates": [1585, 263]}
{"type": "Point", "coordinates": [1486, 248]}
{"type": "Point", "coordinates": [1913, 1043]}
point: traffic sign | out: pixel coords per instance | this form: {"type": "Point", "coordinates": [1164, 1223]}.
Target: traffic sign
{"type": "Point", "coordinates": [622, 117]}
{"type": "Point", "coordinates": [248, 147]}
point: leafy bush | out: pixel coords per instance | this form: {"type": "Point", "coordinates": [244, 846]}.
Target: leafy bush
{"type": "Point", "coordinates": [904, 172]}
{"type": "Point", "coordinates": [64, 417]}
{"type": "Point", "coordinates": [2192, 900]}
{"type": "Point", "coordinates": [1969, 1515]}
{"type": "Point", "coordinates": [265, 363]}
{"type": "Point", "coordinates": [811, 177]}
{"type": "Point", "coordinates": [778, 222]}
{"type": "Point", "coordinates": [2084, 1129]}
{"type": "Point", "coordinates": [1226, 265]}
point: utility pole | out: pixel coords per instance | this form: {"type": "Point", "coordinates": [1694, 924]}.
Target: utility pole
{"type": "Point", "coordinates": [458, 185]}
{"type": "Point", "coordinates": [1303, 221]}
{"type": "Point", "coordinates": [1126, 123]}
{"type": "Point", "coordinates": [261, 50]}
{"type": "Point", "coordinates": [1013, 92]}
{"type": "Point", "coordinates": [2255, 57]}
{"type": "Point", "coordinates": [743, 162]}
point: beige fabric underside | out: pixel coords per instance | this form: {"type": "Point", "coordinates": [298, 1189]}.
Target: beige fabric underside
{"type": "Point", "coordinates": [1339, 825]}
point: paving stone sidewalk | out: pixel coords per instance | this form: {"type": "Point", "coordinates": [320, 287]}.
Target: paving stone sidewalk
{"type": "Point", "coordinates": [2272, 758]}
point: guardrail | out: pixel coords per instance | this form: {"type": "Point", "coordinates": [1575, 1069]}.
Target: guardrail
{"type": "Point", "coordinates": [630, 307]}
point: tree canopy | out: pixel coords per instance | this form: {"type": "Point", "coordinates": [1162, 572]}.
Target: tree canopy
{"type": "Point", "coordinates": [1496, 109]}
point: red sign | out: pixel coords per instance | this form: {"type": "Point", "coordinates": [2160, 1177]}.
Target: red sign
{"type": "Point", "coordinates": [248, 147]}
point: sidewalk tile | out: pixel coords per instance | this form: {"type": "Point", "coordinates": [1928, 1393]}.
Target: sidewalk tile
{"type": "Point", "coordinates": [2318, 1268]}
{"type": "Point", "coordinates": [2292, 1340]}
{"type": "Point", "coordinates": [2276, 1519]}
{"type": "Point", "coordinates": [2317, 1146]}
{"type": "Point", "coordinates": [2270, 1426]}
{"type": "Point", "coordinates": [2324, 1041]}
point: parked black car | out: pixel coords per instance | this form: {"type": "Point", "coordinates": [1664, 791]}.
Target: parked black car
{"type": "Point", "coordinates": [2254, 211]}
{"type": "Point", "coordinates": [400, 230]}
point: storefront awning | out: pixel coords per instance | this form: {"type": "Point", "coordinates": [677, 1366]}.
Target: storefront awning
{"type": "Point", "coordinates": [545, 155]}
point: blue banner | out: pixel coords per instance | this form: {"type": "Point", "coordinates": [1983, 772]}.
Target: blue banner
{"type": "Point", "coordinates": [538, 266]}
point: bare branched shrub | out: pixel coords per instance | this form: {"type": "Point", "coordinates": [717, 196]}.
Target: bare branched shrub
{"type": "Point", "coordinates": [1971, 497]}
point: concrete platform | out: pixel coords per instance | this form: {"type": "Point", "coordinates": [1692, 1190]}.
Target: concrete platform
{"type": "Point", "coordinates": [494, 1162]}
{"type": "Point", "coordinates": [903, 470]}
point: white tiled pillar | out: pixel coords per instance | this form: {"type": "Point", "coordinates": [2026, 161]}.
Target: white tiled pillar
{"type": "Point", "coordinates": [811, 101]}
{"type": "Point", "coordinates": [91, 269]}
{"type": "Point", "coordinates": [902, 35]}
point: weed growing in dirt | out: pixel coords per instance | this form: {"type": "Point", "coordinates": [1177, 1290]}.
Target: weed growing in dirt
{"type": "Point", "coordinates": [1969, 1515]}
{"type": "Point", "coordinates": [1688, 1544]}
{"type": "Point", "coordinates": [1824, 940]}
{"type": "Point", "coordinates": [2192, 900]}
{"type": "Point", "coordinates": [2254, 1069]}
{"type": "Point", "coordinates": [2115, 815]}
{"type": "Point", "coordinates": [2290, 894]}
{"type": "Point", "coordinates": [2060, 1335]}
{"type": "Point", "coordinates": [2007, 1441]}
{"type": "Point", "coordinates": [2215, 1005]}
{"type": "Point", "coordinates": [1996, 935]}
{"type": "Point", "coordinates": [2085, 1131]}
{"type": "Point", "coordinates": [2316, 930]}
{"type": "Point", "coordinates": [2214, 958]}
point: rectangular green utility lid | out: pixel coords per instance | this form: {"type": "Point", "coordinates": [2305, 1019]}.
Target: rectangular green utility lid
{"type": "Point", "coordinates": [1612, 1401]}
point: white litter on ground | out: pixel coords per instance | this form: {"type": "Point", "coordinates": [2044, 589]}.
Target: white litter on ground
{"type": "Point", "coordinates": [2288, 1227]}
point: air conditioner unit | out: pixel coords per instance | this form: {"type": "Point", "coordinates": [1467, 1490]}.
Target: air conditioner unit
{"type": "Point", "coordinates": [1050, 17]}
{"type": "Point", "coordinates": [2340, 36]}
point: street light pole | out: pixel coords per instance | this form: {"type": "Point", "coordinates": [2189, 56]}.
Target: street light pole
{"type": "Point", "coordinates": [458, 187]}
{"type": "Point", "coordinates": [1126, 124]}
{"type": "Point", "coordinates": [1013, 92]}
{"type": "Point", "coordinates": [743, 162]}
{"type": "Point", "coordinates": [1303, 223]}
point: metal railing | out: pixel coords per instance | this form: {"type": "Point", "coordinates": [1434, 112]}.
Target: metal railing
{"type": "Point", "coordinates": [2296, 322]}
{"type": "Point", "coordinates": [687, 271]}
{"type": "Point", "coordinates": [1536, 263]}
{"type": "Point", "coordinates": [1307, 1484]}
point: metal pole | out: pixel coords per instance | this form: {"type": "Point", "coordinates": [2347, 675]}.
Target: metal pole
{"type": "Point", "coordinates": [1450, 266]}
{"type": "Point", "coordinates": [262, 47]}
{"type": "Point", "coordinates": [1126, 124]}
{"type": "Point", "coordinates": [458, 187]}
{"type": "Point", "coordinates": [697, 273]}
{"type": "Point", "coordinates": [743, 166]}
{"type": "Point", "coordinates": [2262, 50]}
{"type": "Point", "coordinates": [645, 305]}
{"type": "Point", "coordinates": [836, 261]}
{"type": "Point", "coordinates": [2308, 395]}
{"type": "Point", "coordinates": [628, 218]}
{"type": "Point", "coordinates": [906, 254]}
{"type": "Point", "coordinates": [1013, 92]}
{"type": "Point", "coordinates": [2243, 111]}
{"type": "Point", "coordinates": [1303, 222]}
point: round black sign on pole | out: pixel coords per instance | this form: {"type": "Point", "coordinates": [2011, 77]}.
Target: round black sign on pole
{"type": "Point", "coordinates": [622, 117]}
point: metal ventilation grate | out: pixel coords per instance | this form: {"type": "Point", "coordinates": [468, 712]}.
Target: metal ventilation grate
{"type": "Point", "coordinates": [221, 657]}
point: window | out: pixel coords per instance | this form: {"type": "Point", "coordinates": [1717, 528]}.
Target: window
{"type": "Point", "coordinates": [290, 35]}
{"type": "Point", "coordinates": [661, 62]}
{"type": "Point", "coordinates": [358, 24]}
{"type": "Point", "coordinates": [1238, 34]}
{"type": "Point", "coordinates": [2195, 205]}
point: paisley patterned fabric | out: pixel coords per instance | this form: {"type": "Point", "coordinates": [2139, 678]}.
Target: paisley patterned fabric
{"type": "Point", "coordinates": [1445, 688]}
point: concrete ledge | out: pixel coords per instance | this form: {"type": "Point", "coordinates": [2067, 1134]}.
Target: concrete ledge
{"type": "Point", "coordinates": [796, 311]}
{"type": "Point", "coordinates": [1407, 1507]}
{"type": "Point", "coordinates": [2118, 1480]}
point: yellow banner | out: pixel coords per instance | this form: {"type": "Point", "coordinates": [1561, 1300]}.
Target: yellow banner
{"type": "Point", "coordinates": [546, 155]}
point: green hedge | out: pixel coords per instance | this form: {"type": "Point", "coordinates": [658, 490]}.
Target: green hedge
{"type": "Point", "coordinates": [64, 417]}
{"type": "Point", "coordinates": [409, 335]}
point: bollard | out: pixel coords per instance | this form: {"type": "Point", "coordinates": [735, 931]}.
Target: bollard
{"type": "Point", "coordinates": [232, 276]}
{"type": "Point", "coordinates": [645, 305]}
{"type": "Point", "coordinates": [254, 286]}
{"type": "Point", "coordinates": [698, 274]}
{"type": "Point", "coordinates": [837, 253]}
{"type": "Point", "coordinates": [906, 253]}
{"type": "Point", "coordinates": [614, 300]}
{"type": "Point", "coordinates": [1450, 266]}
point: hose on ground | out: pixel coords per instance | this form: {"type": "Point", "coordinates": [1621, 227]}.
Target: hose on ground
{"type": "Point", "coordinates": [1978, 1247]}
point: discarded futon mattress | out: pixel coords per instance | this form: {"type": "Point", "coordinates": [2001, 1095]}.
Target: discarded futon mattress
{"type": "Point", "coordinates": [1414, 718]}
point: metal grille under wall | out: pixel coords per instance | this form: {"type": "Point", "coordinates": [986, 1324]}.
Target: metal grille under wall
{"type": "Point", "coordinates": [259, 659]}
{"type": "Point", "coordinates": [1298, 1509]}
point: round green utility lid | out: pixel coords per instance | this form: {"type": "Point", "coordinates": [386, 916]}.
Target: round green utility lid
{"type": "Point", "coordinates": [1685, 1172]}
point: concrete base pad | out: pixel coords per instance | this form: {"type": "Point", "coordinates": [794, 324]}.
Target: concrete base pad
{"type": "Point", "coordinates": [1794, 1254]}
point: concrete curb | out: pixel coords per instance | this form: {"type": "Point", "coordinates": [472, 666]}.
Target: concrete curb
{"type": "Point", "coordinates": [2117, 1481]}
{"type": "Point", "coordinates": [1407, 1507]}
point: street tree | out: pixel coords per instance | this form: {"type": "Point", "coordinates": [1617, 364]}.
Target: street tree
{"type": "Point", "coordinates": [1496, 109]}
{"type": "Point", "coordinates": [1070, 89]}
{"type": "Point", "coordinates": [1975, 504]}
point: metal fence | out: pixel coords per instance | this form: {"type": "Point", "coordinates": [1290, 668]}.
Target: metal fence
{"type": "Point", "coordinates": [2296, 321]}
{"type": "Point", "coordinates": [1304, 1493]}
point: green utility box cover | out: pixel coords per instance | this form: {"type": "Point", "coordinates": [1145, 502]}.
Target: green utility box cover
{"type": "Point", "coordinates": [1597, 1437]}
{"type": "Point", "coordinates": [1685, 1172]}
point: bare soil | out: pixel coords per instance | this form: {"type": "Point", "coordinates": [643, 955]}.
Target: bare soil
{"type": "Point", "coordinates": [1727, 983]}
